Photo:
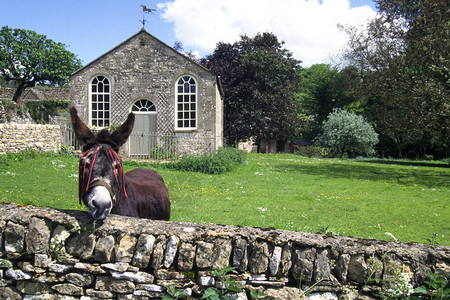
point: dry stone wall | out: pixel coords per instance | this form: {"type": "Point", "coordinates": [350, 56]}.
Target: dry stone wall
{"type": "Point", "coordinates": [17, 137]}
{"type": "Point", "coordinates": [52, 254]}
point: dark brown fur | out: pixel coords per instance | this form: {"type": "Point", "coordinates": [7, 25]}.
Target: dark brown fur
{"type": "Point", "coordinates": [148, 196]}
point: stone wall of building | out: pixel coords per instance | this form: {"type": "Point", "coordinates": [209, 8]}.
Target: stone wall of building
{"type": "Point", "coordinates": [51, 254]}
{"type": "Point", "coordinates": [143, 67]}
{"type": "Point", "coordinates": [17, 137]}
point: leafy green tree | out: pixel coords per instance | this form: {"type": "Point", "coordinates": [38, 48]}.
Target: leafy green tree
{"type": "Point", "coordinates": [348, 133]}
{"type": "Point", "coordinates": [260, 80]}
{"type": "Point", "coordinates": [323, 89]}
{"type": "Point", "coordinates": [28, 58]}
{"type": "Point", "coordinates": [404, 55]}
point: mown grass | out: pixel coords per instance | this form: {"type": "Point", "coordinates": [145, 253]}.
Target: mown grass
{"type": "Point", "coordinates": [360, 198]}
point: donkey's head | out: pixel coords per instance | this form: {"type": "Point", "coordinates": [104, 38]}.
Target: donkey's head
{"type": "Point", "coordinates": [101, 178]}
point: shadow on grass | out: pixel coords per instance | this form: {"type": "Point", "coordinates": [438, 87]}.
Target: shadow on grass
{"type": "Point", "coordinates": [406, 163]}
{"type": "Point", "coordinates": [402, 176]}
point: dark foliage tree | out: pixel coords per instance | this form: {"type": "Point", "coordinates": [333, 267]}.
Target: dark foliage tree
{"type": "Point", "coordinates": [28, 58]}
{"type": "Point", "coordinates": [405, 56]}
{"type": "Point", "coordinates": [260, 80]}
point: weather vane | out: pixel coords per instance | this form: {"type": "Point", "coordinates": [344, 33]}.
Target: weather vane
{"type": "Point", "coordinates": [145, 10]}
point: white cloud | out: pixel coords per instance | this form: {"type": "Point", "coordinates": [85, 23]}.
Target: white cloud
{"type": "Point", "coordinates": [308, 27]}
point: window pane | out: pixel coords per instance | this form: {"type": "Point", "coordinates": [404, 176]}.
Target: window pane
{"type": "Point", "coordinates": [193, 123]}
{"type": "Point", "coordinates": [106, 106]}
{"type": "Point", "coordinates": [186, 115]}
{"type": "Point", "coordinates": [192, 106]}
{"type": "Point", "coordinates": [94, 106]}
{"type": "Point", "coordinates": [94, 98]}
{"type": "Point", "coordinates": [193, 115]}
{"type": "Point", "coordinates": [100, 87]}
{"type": "Point", "coordinates": [180, 115]}
{"type": "Point", "coordinates": [180, 123]}
{"type": "Point", "coordinates": [186, 123]}
{"type": "Point", "coordinates": [180, 106]}
{"type": "Point", "coordinates": [94, 115]}
{"type": "Point", "coordinates": [186, 107]}
{"type": "Point", "coordinates": [94, 122]}
{"type": "Point", "coordinates": [94, 88]}
{"type": "Point", "coordinates": [100, 114]}
{"type": "Point", "coordinates": [106, 88]}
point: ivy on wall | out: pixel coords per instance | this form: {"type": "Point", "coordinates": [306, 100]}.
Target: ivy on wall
{"type": "Point", "coordinates": [40, 110]}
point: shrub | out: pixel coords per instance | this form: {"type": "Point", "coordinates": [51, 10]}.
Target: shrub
{"type": "Point", "coordinates": [221, 161]}
{"type": "Point", "coordinates": [347, 134]}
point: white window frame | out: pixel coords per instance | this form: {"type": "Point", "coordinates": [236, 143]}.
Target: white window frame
{"type": "Point", "coordinates": [186, 107]}
{"type": "Point", "coordinates": [103, 95]}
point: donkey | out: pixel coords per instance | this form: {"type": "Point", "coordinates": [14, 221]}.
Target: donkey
{"type": "Point", "coordinates": [102, 184]}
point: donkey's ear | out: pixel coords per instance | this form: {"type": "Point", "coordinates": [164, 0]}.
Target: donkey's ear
{"type": "Point", "coordinates": [83, 133]}
{"type": "Point", "coordinates": [121, 134]}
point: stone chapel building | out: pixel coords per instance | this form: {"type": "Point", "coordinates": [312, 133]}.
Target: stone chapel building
{"type": "Point", "coordinates": [170, 94]}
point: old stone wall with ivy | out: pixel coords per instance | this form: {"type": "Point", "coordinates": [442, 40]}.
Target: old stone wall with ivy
{"type": "Point", "coordinates": [51, 254]}
{"type": "Point", "coordinates": [18, 137]}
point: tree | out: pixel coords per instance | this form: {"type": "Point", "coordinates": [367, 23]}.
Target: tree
{"type": "Point", "coordinates": [349, 133]}
{"type": "Point", "coordinates": [404, 55]}
{"type": "Point", "coordinates": [28, 58]}
{"type": "Point", "coordinates": [260, 80]}
{"type": "Point", "coordinates": [325, 88]}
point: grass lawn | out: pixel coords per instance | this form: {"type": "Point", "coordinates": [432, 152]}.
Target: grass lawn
{"type": "Point", "coordinates": [360, 198]}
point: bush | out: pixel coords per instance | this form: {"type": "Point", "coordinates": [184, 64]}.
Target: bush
{"type": "Point", "coordinates": [221, 161]}
{"type": "Point", "coordinates": [347, 134]}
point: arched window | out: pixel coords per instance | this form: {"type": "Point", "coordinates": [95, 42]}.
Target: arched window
{"type": "Point", "coordinates": [100, 101]}
{"type": "Point", "coordinates": [186, 103]}
{"type": "Point", "coordinates": [143, 105]}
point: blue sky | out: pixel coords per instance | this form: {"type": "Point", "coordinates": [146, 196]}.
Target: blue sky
{"type": "Point", "coordinates": [91, 28]}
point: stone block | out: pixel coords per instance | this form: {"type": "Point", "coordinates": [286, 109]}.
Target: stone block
{"type": "Point", "coordinates": [221, 253]}
{"type": "Point", "coordinates": [104, 249]}
{"type": "Point", "coordinates": [106, 283]}
{"type": "Point", "coordinates": [357, 269]}
{"type": "Point", "coordinates": [80, 279]}
{"type": "Point", "coordinates": [274, 261]}
{"type": "Point", "coordinates": [37, 237]}
{"type": "Point", "coordinates": [186, 257]}
{"type": "Point", "coordinates": [259, 257]}
{"type": "Point", "coordinates": [240, 259]}
{"type": "Point", "coordinates": [137, 277]}
{"type": "Point", "coordinates": [158, 252]}
{"type": "Point", "coordinates": [286, 259]}
{"type": "Point", "coordinates": [81, 245]}
{"type": "Point", "coordinates": [143, 252]}
{"type": "Point", "coordinates": [125, 248]}
{"type": "Point", "coordinates": [204, 256]}
{"type": "Point", "coordinates": [303, 264]}
{"type": "Point", "coordinates": [171, 251]}
{"type": "Point", "coordinates": [41, 260]}
{"type": "Point", "coordinates": [14, 238]}
{"type": "Point", "coordinates": [68, 289]}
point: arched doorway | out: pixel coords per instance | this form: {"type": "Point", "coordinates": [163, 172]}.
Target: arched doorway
{"type": "Point", "coordinates": [143, 136]}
